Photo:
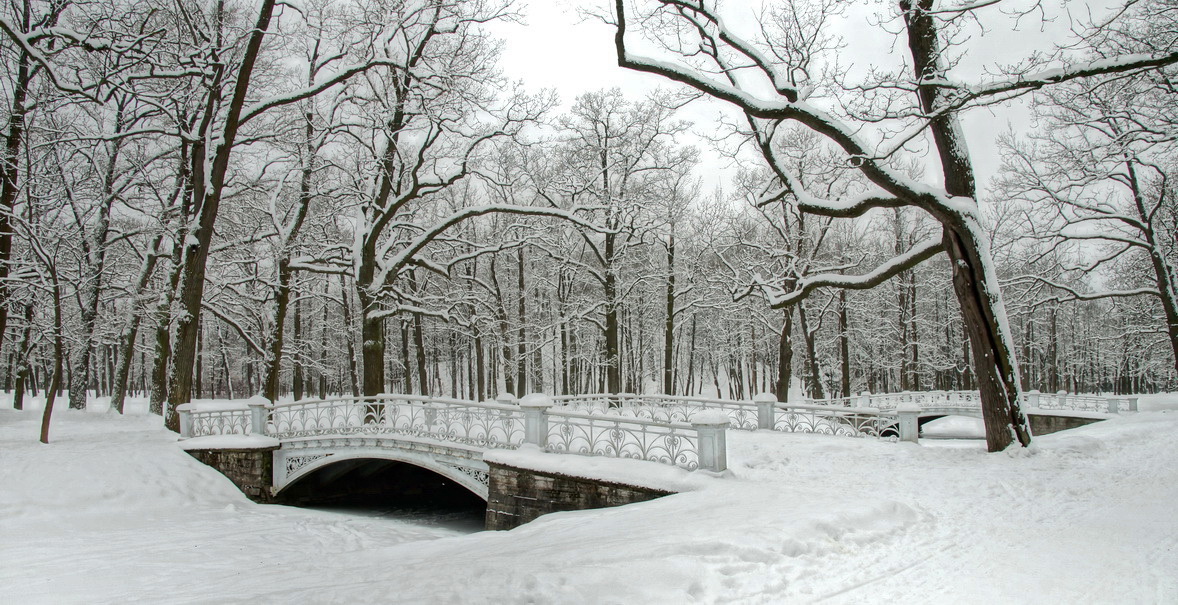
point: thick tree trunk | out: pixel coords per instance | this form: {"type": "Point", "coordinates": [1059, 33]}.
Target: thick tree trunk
{"type": "Point", "coordinates": [813, 375]}
{"type": "Point", "coordinates": [844, 344]}
{"type": "Point", "coordinates": [10, 169]}
{"type": "Point", "coordinates": [613, 358]}
{"type": "Point", "coordinates": [669, 321]}
{"type": "Point", "coordinates": [58, 361]}
{"type": "Point", "coordinates": [197, 244]}
{"type": "Point", "coordinates": [974, 279]}
{"type": "Point", "coordinates": [23, 364]}
{"type": "Point", "coordinates": [349, 335]}
{"type": "Point", "coordinates": [423, 386]}
{"type": "Point", "coordinates": [785, 354]}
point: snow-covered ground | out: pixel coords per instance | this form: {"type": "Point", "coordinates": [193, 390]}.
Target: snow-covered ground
{"type": "Point", "coordinates": [112, 511]}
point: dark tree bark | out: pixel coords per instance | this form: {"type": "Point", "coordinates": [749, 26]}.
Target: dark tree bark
{"type": "Point", "coordinates": [127, 337]}
{"type": "Point", "coordinates": [669, 321]}
{"type": "Point", "coordinates": [208, 196]}
{"type": "Point", "coordinates": [58, 355]}
{"type": "Point", "coordinates": [997, 370]}
{"type": "Point", "coordinates": [23, 364]}
{"type": "Point", "coordinates": [844, 344]}
{"type": "Point", "coordinates": [785, 355]}
{"type": "Point", "coordinates": [10, 163]}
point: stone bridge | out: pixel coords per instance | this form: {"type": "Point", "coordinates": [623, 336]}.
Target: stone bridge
{"type": "Point", "coordinates": [267, 448]}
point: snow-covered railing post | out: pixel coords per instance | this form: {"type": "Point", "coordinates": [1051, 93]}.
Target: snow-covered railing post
{"type": "Point", "coordinates": [1132, 403]}
{"type": "Point", "coordinates": [505, 398]}
{"type": "Point", "coordinates": [259, 417]}
{"type": "Point", "coordinates": [712, 450]}
{"type": "Point", "coordinates": [766, 410]}
{"type": "Point", "coordinates": [909, 423]}
{"type": "Point", "coordinates": [865, 399]}
{"type": "Point", "coordinates": [185, 411]}
{"type": "Point", "coordinates": [1114, 404]}
{"type": "Point", "coordinates": [1033, 398]}
{"type": "Point", "coordinates": [535, 407]}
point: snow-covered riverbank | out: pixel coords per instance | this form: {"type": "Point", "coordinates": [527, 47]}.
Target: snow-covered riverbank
{"type": "Point", "coordinates": [113, 511]}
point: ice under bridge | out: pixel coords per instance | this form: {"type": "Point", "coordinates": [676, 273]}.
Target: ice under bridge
{"type": "Point", "coordinates": [450, 437]}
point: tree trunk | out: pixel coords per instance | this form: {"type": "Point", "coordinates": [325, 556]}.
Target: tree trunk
{"type": "Point", "coordinates": [58, 354]}
{"type": "Point", "coordinates": [126, 345]}
{"type": "Point", "coordinates": [974, 279]}
{"type": "Point", "coordinates": [296, 373]}
{"type": "Point", "coordinates": [613, 358]}
{"type": "Point", "coordinates": [844, 344]}
{"type": "Point", "coordinates": [521, 354]}
{"type": "Point", "coordinates": [10, 168]}
{"type": "Point", "coordinates": [669, 321]}
{"type": "Point", "coordinates": [22, 363]}
{"type": "Point", "coordinates": [349, 335]}
{"type": "Point", "coordinates": [813, 377]}
{"type": "Point", "coordinates": [423, 386]}
{"type": "Point", "coordinates": [785, 354]}
{"type": "Point", "coordinates": [197, 245]}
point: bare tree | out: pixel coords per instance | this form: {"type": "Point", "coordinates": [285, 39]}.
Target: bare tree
{"type": "Point", "coordinates": [1098, 174]}
{"type": "Point", "coordinates": [776, 79]}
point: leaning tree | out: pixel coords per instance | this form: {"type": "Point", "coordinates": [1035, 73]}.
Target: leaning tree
{"type": "Point", "coordinates": [785, 71]}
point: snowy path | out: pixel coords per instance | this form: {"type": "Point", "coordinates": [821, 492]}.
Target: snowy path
{"type": "Point", "coordinates": [113, 512]}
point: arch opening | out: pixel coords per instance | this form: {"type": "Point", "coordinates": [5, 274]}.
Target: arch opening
{"type": "Point", "coordinates": [952, 427]}
{"type": "Point", "coordinates": [391, 489]}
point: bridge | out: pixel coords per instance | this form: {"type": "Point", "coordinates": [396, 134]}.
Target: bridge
{"type": "Point", "coordinates": [267, 448]}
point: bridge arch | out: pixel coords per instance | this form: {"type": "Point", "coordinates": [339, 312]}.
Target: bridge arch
{"type": "Point", "coordinates": [297, 466]}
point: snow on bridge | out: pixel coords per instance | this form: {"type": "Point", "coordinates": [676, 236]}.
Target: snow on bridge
{"type": "Point", "coordinates": [450, 436]}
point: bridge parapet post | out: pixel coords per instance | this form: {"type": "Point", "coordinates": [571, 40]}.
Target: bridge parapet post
{"type": "Point", "coordinates": [766, 410]}
{"type": "Point", "coordinates": [909, 414]}
{"type": "Point", "coordinates": [865, 399]}
{"type": "Point", "coordinates": [711, 426]}
{"type": "Point", "coordinates": [1131, 404]}
{"type": "Point", "coordinates": [259, 417]}
{"type": "Point", "coordinates": [535, 408]}
{"type": "Point", "coordinates": [505, 398]}
{"type": "Point", "coordinates": [1114, 405]}
{"type": "Point", "coordinates": [185, 411]}
{"type": "Point", "coordinates": [1032, 398]}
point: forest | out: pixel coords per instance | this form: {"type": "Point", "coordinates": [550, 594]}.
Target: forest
{"type": "Point", "coordinates": [225, 199]}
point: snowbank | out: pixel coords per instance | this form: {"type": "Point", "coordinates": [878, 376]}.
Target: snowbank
{"type": "Point", "coordinates": [229, 442]}
{"type": "Point", "coordinates": [113, 511]}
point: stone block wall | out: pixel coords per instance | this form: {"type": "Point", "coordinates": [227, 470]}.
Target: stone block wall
{"type": "Point", "coordinates": [251, 470]}
{"type": "Point", "coordinates": [517, 496]}
{"type": "Point", "coordinates": [1043, 424]}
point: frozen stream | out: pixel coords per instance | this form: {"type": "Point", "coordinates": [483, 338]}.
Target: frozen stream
{"type": "Point", "coordinates": [459, 522]}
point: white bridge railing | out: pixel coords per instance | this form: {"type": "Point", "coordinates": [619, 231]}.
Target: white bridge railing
{"type": "Point", "coordinates": [762, 412]}
{"type": "Point", "coordinates": [687, 432]}
{"type": "Point", "coordinates": [503, 424]}
{"type": "Point", "coordinates": [972, 400]}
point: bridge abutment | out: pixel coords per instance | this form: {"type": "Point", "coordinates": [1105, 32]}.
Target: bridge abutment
{"type": "Point", "coordinates": [517, 496]}
{"type": "Point", "coordinates": [251, 470]}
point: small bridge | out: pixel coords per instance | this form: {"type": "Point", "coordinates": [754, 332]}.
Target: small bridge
{"type": "Point", "coordinates": [266, 448]}
{"type": "Point", "coordinates": [446, 436]}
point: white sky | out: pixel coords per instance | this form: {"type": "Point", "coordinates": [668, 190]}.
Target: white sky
{"type": "Point", "coordinates": [556, 48]}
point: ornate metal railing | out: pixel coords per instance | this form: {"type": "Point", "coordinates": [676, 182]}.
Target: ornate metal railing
{"type": "Point", "coordinates": [762, 412]}
{"type": "Point", "coordinates": [972, 400]}
{"type": "Point", "coordinates": [485, 425]}
{"type": "Point", "coordinates": [672, 443]}
{"type": "Point", "coordinates": [660, 408]}
{"type": "Point", "coordinates": [845, 422]}
{"type": "Point", "coordinates": [223, 419]}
